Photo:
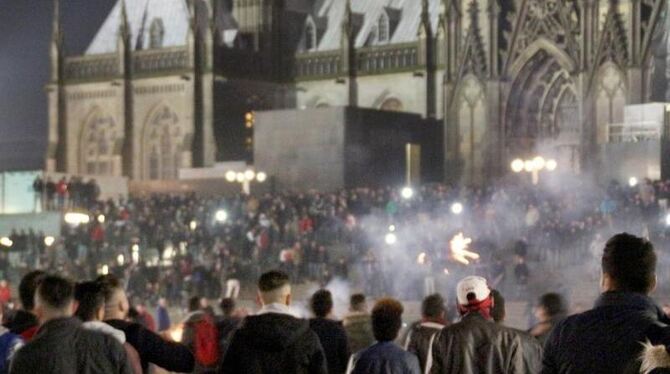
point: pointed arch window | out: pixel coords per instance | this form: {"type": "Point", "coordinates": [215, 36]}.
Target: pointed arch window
{"type": "Point", "coordinates": [156, 33]}
{"type": "Point", "coordinates": [310, 35]}
{"type": "Point", "coordinates": [383, 28]}
{"type": "Point", "coordinates": [373, 36]}
{"type": "Point", "coordinates": [161, 143]}
{"type": "Point", "coordinates": [97, 145]}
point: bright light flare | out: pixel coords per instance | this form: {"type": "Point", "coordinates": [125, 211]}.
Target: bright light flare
{"type": "Point", "coordinates": [76, 219]}
{"type": "Point", "coordinates": [551, 165]}
{"type": "Point", "coordinates": [261, 176]}
{"type": "Point", "coordinates": [104, 270]}
{"type": "Point", "coordinates": [101, 218]}
{"type": "Point", "coordinates": [392, 228]}
{"type": "Point", "coordinates": [459, 249]}
{"type": "Point", "coordinates": [391, 238]}
{"type": "Point", "coordinates": [457, 208]}
{"type": "Point", "coordinates": [120, 259]}
{"type": "Point", "coordinates": [193, 225]}
{"type": "Point", "coordinates": [221, 216]}
{"type": "Point", "coordinates": [632, 181]}
{"type": "Point", "coordinates": [177, 333]}
{"type": "Point", "coordinates": [407, 193]}
{"type": "Point", "coordinates": [6, 242]}
{"type": "Point", "coordinates": [49, 241]}
{"type": "Point", "coordinates": [517, 165]}
{"type": "Point", "coordinates": [421, 258]}
{"type": "Point", "coordinates": [231, 176]}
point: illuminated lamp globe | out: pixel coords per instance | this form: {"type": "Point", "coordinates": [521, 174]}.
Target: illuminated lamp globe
{"type": "Point", "coordinates": [230, 176]}
{"type": "Point", "coordinates": [551, 165]}
{"type": "Point", "coordinates": [249, 175]}
{"type": "Point", "coordinates": [261, 176]}
{"type": "Point", "coordinates": [539, 163]}
{"type": "Point", "coordinates": [457, 208]}
{"type": "Point", "coordinates": [239, 177]}
{"type": "Point", "coordinates": [528, 165]}
{"type": "Point", "coordinates": [517, 165]}
{"type": "Point", "coordinates": [407, 193]}
{"type": "Point", "coordinates": [391, 238]}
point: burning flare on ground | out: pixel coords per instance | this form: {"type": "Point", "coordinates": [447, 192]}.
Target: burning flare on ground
{"type": "Point", "coordinates": [421, 259]}
{"type": "Point", "coordinates": [459, 249]}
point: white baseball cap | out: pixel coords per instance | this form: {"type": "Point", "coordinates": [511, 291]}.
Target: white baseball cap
{"type": "Point", "coordinates": [472, 285]}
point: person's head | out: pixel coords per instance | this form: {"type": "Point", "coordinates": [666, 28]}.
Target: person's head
{"type": "Point", "coordinates": [549, 306]}
{"type": "Point", "coordinates": [227, 306]}
{"type": "Point", "coordinates": [628, 264]}
{"type": "Point", "coordinates": [162, 302]}
{"type": "Point", "coordinates": [274, 287]}
{"type": "Point", "coordinates": [386, 319]}
{"type": "Point", "coordinates": [116, 300]}
{"type": "Point", "coordinates": [322, 303]}
{"type": "Point", "coordinates": [474, 295]}
{"type": "Point", "coordinates": [90, 301]}
{"type": "Point", "coordinates": [432, 308]}
{"type": "Point", "coordinates": [27, 289]}
{"type": "Point", "coordinates": [498, 310]}
{"type": "Point", "coordinates": [194, 304]}
{"type": "Point", "coordinates": [54, 298]}
{"type": "Point", "coordinates": [357, 303]}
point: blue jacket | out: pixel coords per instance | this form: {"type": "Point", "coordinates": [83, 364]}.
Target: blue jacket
{"type": "Point", "coordinates": [384, 358]}
{"type": "Point", "coordinates": [608, 338]}
{"type": "Point", "coordinates": [163, 318]}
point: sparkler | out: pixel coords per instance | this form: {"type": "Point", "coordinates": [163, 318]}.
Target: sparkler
{"type": "Point", "coordinates": [459, 249]}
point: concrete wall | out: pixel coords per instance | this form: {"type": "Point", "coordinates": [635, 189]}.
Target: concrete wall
{"type": "Point", "coordinates": [49, 223]}
{"type": "Point", "coordinates": [302, 149]}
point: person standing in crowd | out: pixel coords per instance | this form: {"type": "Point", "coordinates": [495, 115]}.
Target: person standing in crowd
{"type": "Point", "coordinates": [498, 312]}
{"type": "Point", "coordinates": [24, 322]}
{"type": "Point", "coordinates": [385, 356]}
{"type": "Point", "coordinates": [162, 315]}
{"type": "Point", "coordinates": [550, 310]}
{"type": "Point", "coordinates": [274, 341]}
{"type": "Point", "coordinates": [331, 333]}
{"type": "Point", "coordinates": [62, 345]}
{"type": "Point", "coordinates": [151, 347]}
{"type": "Point", "coordinates": [5, 292]}
{"type": "Point", "coordinates": [477, 344]}
{"type": "Point", "coordinates": [609, 337]}
{"type": "Point", "coordinates": [201, 337]}
{"type": "Point", "coordinates": [358, 324]}
{"type": "Point", "coordinates": [227, 324]}
{"type": "Point", "coordinates": [9, 344]}
{"type": "Point", "coordinates": [422, 334]}
{"type": "Point", "coordinates": [91, 311]}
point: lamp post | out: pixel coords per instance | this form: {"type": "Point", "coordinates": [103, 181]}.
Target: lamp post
{"type": "Point", "coordinates": [534, 166]}
{"type": "Point", "coordinates": [245, 178]}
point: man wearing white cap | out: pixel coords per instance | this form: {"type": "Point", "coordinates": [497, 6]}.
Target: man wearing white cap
{"type": "Point", "coordinates": [477, 344]}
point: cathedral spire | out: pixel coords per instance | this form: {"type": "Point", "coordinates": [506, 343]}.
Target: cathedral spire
{"type": "Point", "coordinates": [125, 27]}
{"type": "Point", "coordinates": [56, 31]}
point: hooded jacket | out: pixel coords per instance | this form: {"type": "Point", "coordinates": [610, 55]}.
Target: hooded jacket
{"type": "Point", "coordinates": [120, 336]}
{"type": "Point", "coordinates": [358, 326]}
{"type": "Point", "coordinates": [274, 343]}
{"type": "Point", "coordinates": [608, 338]}
{"type": "Point", "coordinates": [477, 345]}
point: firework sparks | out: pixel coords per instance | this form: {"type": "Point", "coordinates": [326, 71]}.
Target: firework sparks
{"type": "Point", "coordinates": [459, 249]}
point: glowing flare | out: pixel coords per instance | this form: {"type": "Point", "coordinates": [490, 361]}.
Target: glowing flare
{"type": "Point", "coordinates": [459, 249]}
{"type": "Point", "coordinates": [421, 259]}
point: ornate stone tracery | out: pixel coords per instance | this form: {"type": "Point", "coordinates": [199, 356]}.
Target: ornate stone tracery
{"type": "Point", "coordinates": [161, 144]}
{"type": "Point", "coordinates": [98, 144]}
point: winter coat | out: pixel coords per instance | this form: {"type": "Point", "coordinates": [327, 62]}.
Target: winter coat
{"type": "Point", "coordinates": [152, 348]}
{"type": "Point", "coordinates": [607, 338]}
{"type": "Point", "coordinates": [333, 339]}
{"type": "Point", "coordinates": [63, 346]}
{"type": "Point", "coordinates": [9, 344]}
{"type": "Point", "coordinates": [384, 358]}
{"type": "Point", "coordinates": [120, 336]}
{"type": "Point", "coordinates": [21, 321]}
{"type": "Point", "coordinates": [358, 326]}
{"type": "Point", "coordinates": [163, 318]}
{"type": "Point", "coordinates": [420, 339]}
{"type": "Point", "coordinates": [477, 345]}
{"type": "Point", "coordinates": [274, 343]}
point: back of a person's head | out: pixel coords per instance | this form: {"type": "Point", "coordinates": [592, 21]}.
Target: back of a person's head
{"type": "Point", "coordinates": [553, 304]}
{"type": "Point", "coordinates": [27, 288]}
{"type": "Point", "coordinates": [109, 285]}
{"type": "Point", "coordinates": [274, 287]}
{"type": "Point", "coordinates": [227, 306]}
{"type": "Point", "coordinates": [498, 309]}
{"type": "Point", "coordinates": [194, 304]}
{"type": "Point", "coordinates": [322, 303]}
{"type": "Point", "coordinates": [386, 319]}
{"type": "Point", "coordinates": [90, 300]}
{"type": "Point", "coordinates": [433, 306]}
{"type": "Point", "coordinates": [357, 302]}
{"type": "Point", "coordinates": [55, 294]}
{"type": "Point", "coordinates": [630, 263]}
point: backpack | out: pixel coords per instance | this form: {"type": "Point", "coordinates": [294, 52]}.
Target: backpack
{"type": "Point", "coordinates": [206, 343]}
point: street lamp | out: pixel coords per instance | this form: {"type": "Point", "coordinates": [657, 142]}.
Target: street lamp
{"type": "Point", "coordinates": [457, 208]}
{"type": "Point", "coordinates": [245, 178]}
{"type": "Point", "coordinates": [407, 193]}
{"type": "Point", "coordinates": [632, 181]}
{"type": "Point", "coordinates": [533, 166]}
{"type": "Point", "coordinates": [76, 219]}
{"type": "Point", "coordinates": [391, 238]}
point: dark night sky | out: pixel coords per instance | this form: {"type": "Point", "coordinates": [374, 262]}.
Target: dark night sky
{"type": "Point", "coordinates": [25, 32]}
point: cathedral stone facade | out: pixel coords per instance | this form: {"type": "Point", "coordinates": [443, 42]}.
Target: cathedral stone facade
{"type": "Point", "coordinates": [167, 84]}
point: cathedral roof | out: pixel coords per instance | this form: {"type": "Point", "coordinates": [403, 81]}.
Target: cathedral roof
{"type": "Point", "coordinates": [404, 30]}
{"type": "Point", "coordinates": [141, 13]}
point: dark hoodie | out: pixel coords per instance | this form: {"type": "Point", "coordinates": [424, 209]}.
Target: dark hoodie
{"type": "Point", "coordinates": [274, 343]}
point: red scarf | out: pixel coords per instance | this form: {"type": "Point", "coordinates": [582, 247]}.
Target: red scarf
{"type": "Point", "coordinates": [482, 307]}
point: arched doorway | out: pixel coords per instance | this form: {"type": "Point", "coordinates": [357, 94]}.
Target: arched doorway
{"type": "Point", "coordinates": [161, 145]}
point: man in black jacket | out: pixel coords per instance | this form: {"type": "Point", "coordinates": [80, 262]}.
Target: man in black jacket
{"type": "Point", "coordinates": [151, 347]}
{"type": "Point", "coordinates": [274, 341]}
{"type": "Point", "coordinates": [609, 338]}
{"type": "Point", "coordinates": [24, 322]}
{"type": "Point", "coordinates": [331, 333]}
{"type": "Point", "coordinates": [61, 345]}
{"type": "Point", "coordinates": [477, 344]}
{"type": "Point", "coordinates": [421, 335]}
